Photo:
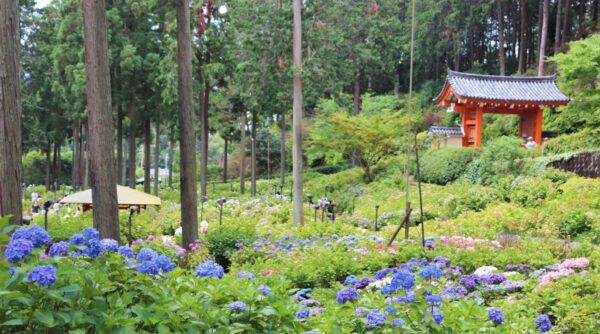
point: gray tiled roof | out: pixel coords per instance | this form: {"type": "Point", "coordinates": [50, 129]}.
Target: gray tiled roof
{"type": "Point", "coordinates": [504, 88]}
{"type": "Point", "coordinates": [444, 130]}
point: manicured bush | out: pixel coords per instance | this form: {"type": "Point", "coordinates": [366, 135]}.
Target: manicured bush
{"type": "Point", "coordinates": [445, 165]}
{"type": "Point", "coordinates": [499, 159]}
{"type": "Point", "coordinates": [575, 223]}
{"type": "Point", "coordinates": [227, 239]}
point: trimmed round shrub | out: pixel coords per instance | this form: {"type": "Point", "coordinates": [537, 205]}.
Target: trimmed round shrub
{"type": "Point", "coordinates": [499, 159]}
{"type": "Point", "coordinates": [445, 165]}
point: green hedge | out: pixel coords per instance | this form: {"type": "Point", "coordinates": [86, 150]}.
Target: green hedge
{"type": "Point", "coordinates": [445, 165]}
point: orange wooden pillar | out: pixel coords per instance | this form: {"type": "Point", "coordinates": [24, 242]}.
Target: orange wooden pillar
{"type": "Point", "coordinates": [465, 129]}
{"type": "Point", "coordinates": [539, 118]}
{"type": "Point", "coordinates": [478, 125]}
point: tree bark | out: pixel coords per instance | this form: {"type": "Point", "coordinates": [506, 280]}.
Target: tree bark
{"type": "Point", "coordinates": [10, 113]}
{"type": "Point", "coordinates": [544, 32]}
{"type": "Point", "coordinates": [101, 131]}
{"type": "Point", "coordinates": [242, 152]}
{"type": "Point", "coordinates": [356, 91]}
{"type": "Point", "coordinates": [147, 139]}
{"type": "Point", "coordinates": [189, 214]}
{"type": "Point", "coordinates": [48, 161]}
{"type": "Point", "coordinates": [565, 26]}
{"type": "Point", "coordinates": [298, 198]}
{"type": "Point", "coordinates": [157, 153]}
{"type": "Point", "coordinates": [58, 165]}
{"type": "Point", "coordinates": [120, 178]}
{"type": "Point", "coordinates": [131, 155]}
{"type": "Point", "coordinates": [54, 167]}
{"type": "Point", "coordinates": [76, 152]}
{"type": "Point", "coordinates": [523, 12]}
{"type": "Point", "coordinates": [171, 154]}
{"type": "Point", "coordinates": [501, 58]}
{"type": "Point", "coordinates": [225, 161]}
{"type": "Point", "coordinates": [253, 155]}
{"type": "Point", "coordinates": [204, 136]}
{"type": "Point", "coordinates": [282, 148]}
{"type": "Point", "coordinates": [557, 27]}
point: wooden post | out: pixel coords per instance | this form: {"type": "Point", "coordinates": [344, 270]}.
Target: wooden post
{"type": "Point", "coordinates": [539, 117]}
{"type": "Point", "coordinates": [465, 129]}
{"type": "Point", "coordinates": [478, 125]}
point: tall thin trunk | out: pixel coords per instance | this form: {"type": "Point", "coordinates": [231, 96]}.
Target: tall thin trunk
{"type": "Point", "coordinates": [54, 167]}
{"type": "Point", "coordinates": [120, 171]}
{"type": "Point", "coordinates": [10, 113]}
{"type": "Point", "coordinates": [298, 200]}
{"type": "Point", "coordinates": [204, 136]}
{"type": "Point", "coordinates": [523, 12]}
{"type": "Point", "coordinates": [557, 27]}
{"type": "Point", "coordinates": [48, 165]}
{"type": "Point", "coordinates": [83, 158]}
{"type": "Point", "coordinates": [76, 152]}
{"type": "Point", "coordinates": [147, 139]}
{"type": "Point", "coordinates": [157, 153]}
{"type": "Point", "coordinates": [356, 94]}
{"type": "Point", "coordinates": [171, 154]}
{"type": "Point", "coordinates": [541, 70]}
{"type": "Point", "coordinates": [501, 57]}
{"type": "Point", "coordinates": [58, 165]}
{"type": "Point", "coordinates": [131, 156]}
{"type": "Point", "coordinates": [225, 161]}
{"type": "Point", "coordinates": [565, 26]}
{"type": "Point", "coordinates": [243, 152]}
{"type": "Point", "coordinates": [189, 214]}
{"type": "Point", "coordinates": [253, 155]}
{"type": "Point", "coordinates": [282, 148]}
{"type": "Point", "coordinates": [101, 131]}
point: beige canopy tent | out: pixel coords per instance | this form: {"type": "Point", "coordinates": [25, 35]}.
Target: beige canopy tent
{"type": "Point", "coordinates": [126, 197]}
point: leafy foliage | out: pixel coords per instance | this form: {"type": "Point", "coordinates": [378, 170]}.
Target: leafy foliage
{"type": "Point", "coordinates": [445, 165]}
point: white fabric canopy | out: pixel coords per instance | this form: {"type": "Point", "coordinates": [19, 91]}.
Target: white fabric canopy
{"type": "Point", "coordinates": [126, 196]}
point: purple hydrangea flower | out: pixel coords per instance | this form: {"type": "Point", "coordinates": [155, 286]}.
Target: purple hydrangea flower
{"type": "Point", "coordinates": [346, 295]}
{"type": "Point", "coordinates": [454, 293]}
{"type": "Point", "coordinates": [237, 306]}
{"type": "Point", "coordinates": [490, 279]}
{"type": "Point", "coordinates": [398, 322]}
{"type": "Point", "coordinates": [246, 274]}
{"type": "Point", "coordinates": [362, 283]}
{"type": "Point", "coordinates": [37, 235]}
{"type": "Point", "coordinates": [376, 318]}
{"type": "Point", "coordinates": [125, 251]}
{"type": "Point", "coordinates": [209, 269]}
{"type": "Point", "coordinates": [58, 249]}
{"type": "Point", "coordinates": [441, 261]}
{"type": "Point", "coordinates": [468, 282]}
{"type": "Point", "coordinates": [109, 245]}
{"type": "Point", "coordinates": [146, 254]}
{"type": "Point", "coordinates": [543, 323]}
{"type": "Point", "coordinates": [421, 262]}
{"type": "Point", "coordinates": [496, 316]}
{"type": "Point", "coordinates": [18, 249]}
{"type": "Point", "coordinates": [403, 279]}
{"type": "Point", "coordinates": [431, 272]}
{"type": "Point", "coordinates": [265, 290]}
{"type": "Point", "coordinates": [303, 314]}
{"type": "Point", "coordinates": [43, 275]}
{"type": "Point", "coordinates": [384, 272]}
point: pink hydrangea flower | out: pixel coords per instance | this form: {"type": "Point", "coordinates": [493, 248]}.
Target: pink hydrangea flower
{"type": "Point", "coordinates": [150, 238]}
{"type": "Point", "coordinates": [267, 272]}
{"type": "Point", "coordinates": [576, 263]}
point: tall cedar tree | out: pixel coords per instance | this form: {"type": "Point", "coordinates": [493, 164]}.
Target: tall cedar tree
{"type": "Point", "coordinates": [543, 39]}
{"type": "Point", "coordinates": [297, 111]}
{"type": "Point", "coordinates": [10, 112]}
{"type": "Point", "coordinates": [102, 161]}
{"type": "Point", "coordinates": [189, 214]}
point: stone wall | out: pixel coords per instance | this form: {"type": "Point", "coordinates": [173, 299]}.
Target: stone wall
{"type": "Point", "coordinates": [586, 164]}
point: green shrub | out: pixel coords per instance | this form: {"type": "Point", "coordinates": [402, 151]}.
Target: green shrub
{"type": "Point", "coordinates": [530, 191]}
{"type": "Point", "coordinates": [445, 165]}
{"type": "Point", "coordinates": [34, 168]}
{"type": "Point", "coordinates": [500, 158]}
{"type": "Point", "coordinates": [582, 140]}
{"type": "Point", "coordinates": [574, 223]}
{"type": "Point", "coordinates": [224, 240]}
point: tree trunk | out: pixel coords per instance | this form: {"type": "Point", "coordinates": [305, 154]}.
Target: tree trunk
{"type": "Point", "coordinates": [171, 154]}
{"type": "Point", "coordinates": [243, 152]}
{"type": "Point", "coordinates": [565, 26]}
{"type": "Point", "coordinates": [357, 94]}
{"type": "Point", "coordinates": [204, 136]}
{"type": "Point", "coordinates": [298, 198]}
{"type": "Point", "coordinates": [157, 153]}
{"type": "Point", "coordinates": [54, 167]}
{"type": "Point", "coordinates": [501, 58]}
{"type": "Point", "coordinates": [85, 166]}
{"type": "Point", "coordinates": [10, 113]}
{"type": "Point", "coordinates": [225, 161]}
{"type": "Point", "coordinates": [253, 155]}
{"type": "Point", "coordinates": [120, 178]}
{"type": "Point", "coordinates": [523, 12]}
{"type": "Point", "coordinates": [147, 139]}
{"type": "Point", "coordinates": [282, 148]}
{"type": "Point", "coordinates": [131, 156]}
{"type": "Point", "coordinates": [58, 165]}
{"type": "Point", "coordinates": [541, 70]}
{"type": "Point", "coordinates": [189, 214]}
{"type": "Point", "coordinates": [101, 131]}
{"type": "Point", "coordinates": [48, 166]}
{"type": "Point", "coordinates": [557, 27]}
{"type": "Point", "coordinates": [76, 152]}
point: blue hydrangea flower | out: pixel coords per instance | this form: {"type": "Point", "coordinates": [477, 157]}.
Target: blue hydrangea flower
{"type": "Point", "coordinates": [90, 233]}
{"type": "Point", "coordinates": [398, 322]}
{"type": "Point", "coordinates": [125, 251]}
{"type": "Point", "coordinates": [454, 293]}
{"type": "Point", "coordinates": [18, 249]}
{"type": "Point", "coordinates": [209, 269]}
{"type": "Point", "coordinates": [543, 323]}
{"type": "Point", "coordinates": [37, 235]}
{"type": "Point", "coordinates": [441, 261]}
{"type": "Point", "coordinates": [43, 275]}
{"type": "Point", "coordinates": [237, 306]}
{"type": "Point", "coordinates": [350, 280]}
{"type": "Point", "coordinates": [146, 254]}
{"type": "Point", "coordinates": [314, 331]}
{"type": "Point", "coordinates": [148, 267]}
{"type": "Point", "coordinates": [163, 262]}
{"type": "Point", "coordinates": [93, 248]}
{"type": "Point", "coordinates": [346, 295]}
{"type": "Point", "coordinates": [496, 316]}
{"type": "Point", "coordinates": [403, 279]}
{"type": "Point", "coordinates": [376, 318]}
{"type": "Point", "coordinates": [359, 311]}
{"type": "Point", "coordinates": [388, 289]}
{"type": "Point", "coordinates": [129, 262]}
{"type": "Point", "coordinates": [431, 272]}
{"type": "Point", "coordinates": [58, 249]}
{"type": "Point", "coordinates": [391, 309]}
{"type": "Point", "coordinates": [265, 290]}
{"type": "Point", "coordinates": [11, 271]}
{"type": "Point", "coordinates": [433, 299]}
{"type": "Point", "coordinates": [303, 314]}
{"type": "Point", "coordinates": [361, 283]}
{"type": "Point", "coordinates": [246, 274]}
{"type": "Point", "coordinates": [77, 239]}
{"type": "Point", "coordinates": [384, 272]}
{"type": "Point", "coordinates": [109, 245]}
